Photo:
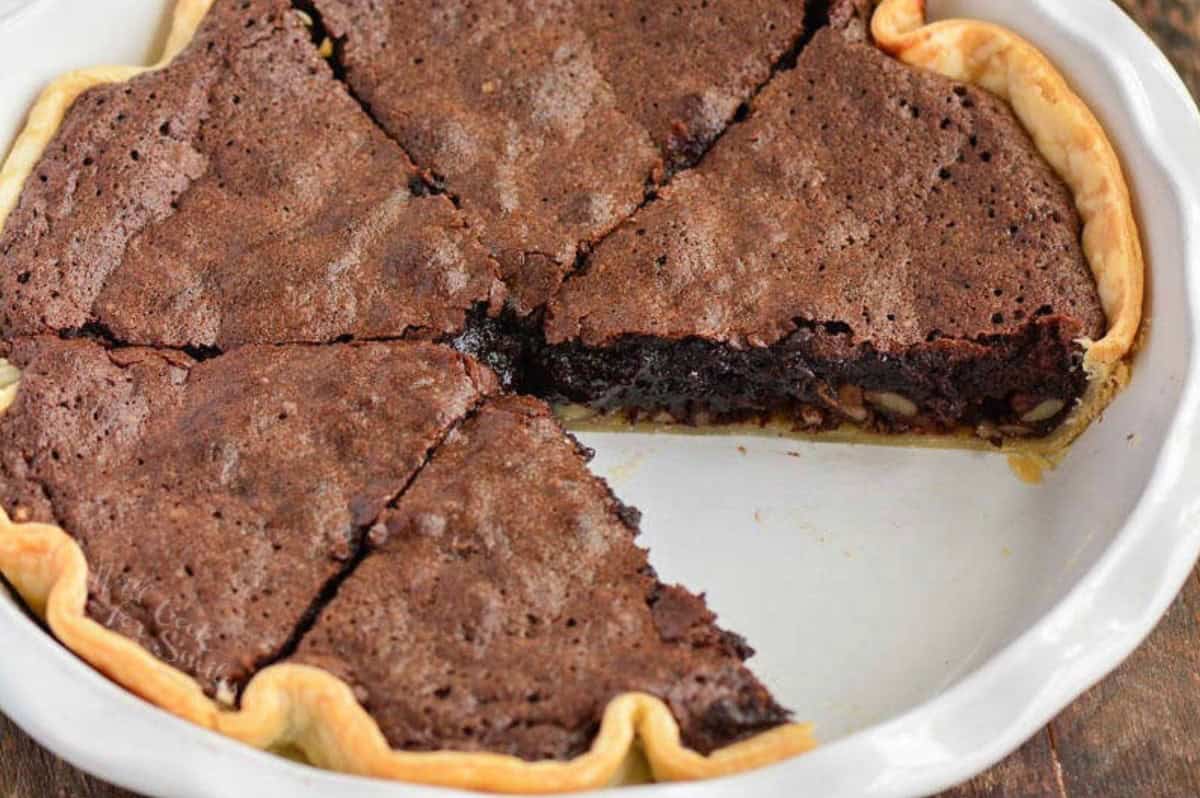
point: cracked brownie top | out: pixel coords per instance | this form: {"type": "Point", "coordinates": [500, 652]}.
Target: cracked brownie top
{"type": "Point", "coordinates": [215, 499]}
{"type": "Point", "coordinates": [874, 244]}
{"type": "Point", "coordinates": [893, 202]}
{"type": "Point", "coordinates": [508, 604]}
{"type": "Point", "coordinates": [547, 120]}
{"type": "Point", "coordinates": [237, 196]}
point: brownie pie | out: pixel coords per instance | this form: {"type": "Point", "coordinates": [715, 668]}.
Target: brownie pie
{"type": "Point", "coordinates": [288, 320]}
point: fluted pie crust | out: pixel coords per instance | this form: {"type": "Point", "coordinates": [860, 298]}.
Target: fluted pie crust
{"type": "Point", "coordinates": [1073, 142]}
{"type": "Point", "coordinates": [301, 708]}
{"type": "Point", "coordinates": [293, 708]}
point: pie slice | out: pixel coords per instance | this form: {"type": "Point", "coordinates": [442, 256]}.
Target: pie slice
{"type": "Point", "coordinates": [214, 500]}
{"type": "Point", "coordinates": [876, 245]}
{"type": "Point", "coordinates": [187, 205]}
{"type": "Point", "coordinates": [548, 121]}
{"type": "Point", "coordinates": [505, 606]}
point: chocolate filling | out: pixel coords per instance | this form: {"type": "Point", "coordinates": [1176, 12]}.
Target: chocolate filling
{"type": "Point", "coordinates": [815, 380]}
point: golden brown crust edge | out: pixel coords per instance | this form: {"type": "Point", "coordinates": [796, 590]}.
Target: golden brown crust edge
{"type": "Point", "coordinates": [297, 707]}
{"type": "Point", "coordinates": [1074, 143]}
{"type": "Point", "coordinates": [304, 708]}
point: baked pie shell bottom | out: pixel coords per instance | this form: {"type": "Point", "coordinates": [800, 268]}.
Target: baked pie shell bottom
{"type": "Point", "coordinates": [291, 708]}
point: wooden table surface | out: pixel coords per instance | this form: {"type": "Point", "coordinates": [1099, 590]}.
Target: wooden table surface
{"type": "Point", "coordinates": [1135, 734]}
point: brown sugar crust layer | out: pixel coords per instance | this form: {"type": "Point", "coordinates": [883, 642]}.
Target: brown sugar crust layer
{"type": "Point", "coordinates": [547, 120]}
{"type": "Point", "coordinates": [506, 577]}
{"type": "Point", "coordinates": [184, 206]}
{"type": "Point", "coordinates": [213, 500]}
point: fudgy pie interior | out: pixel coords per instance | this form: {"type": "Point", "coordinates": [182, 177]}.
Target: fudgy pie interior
{"type": "Point", "coordinates": [280, 318]}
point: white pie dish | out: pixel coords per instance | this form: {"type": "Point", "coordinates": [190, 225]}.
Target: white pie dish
{"type": "Point", "coordinates": [924, 609]}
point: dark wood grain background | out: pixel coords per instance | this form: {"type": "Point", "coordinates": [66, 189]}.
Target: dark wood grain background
{"type": "Point", "coordinates": [1136, 734]}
